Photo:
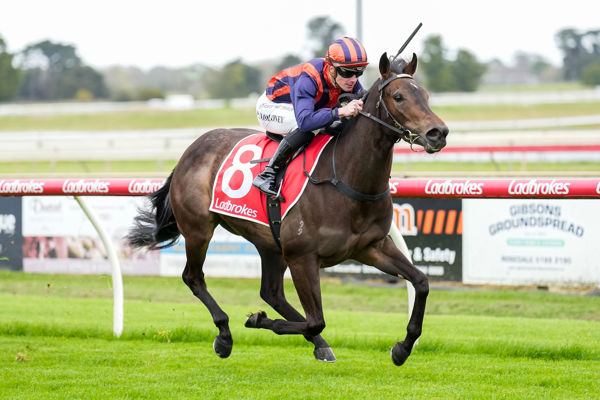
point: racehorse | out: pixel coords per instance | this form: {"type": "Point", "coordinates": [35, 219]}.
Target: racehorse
{"type": "Point", "coordinates": [325, 227]}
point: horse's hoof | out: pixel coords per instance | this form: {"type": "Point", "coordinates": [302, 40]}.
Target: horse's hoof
{"type": "Point", "coordinates": [324, 354]}
{"type": "Point", "coordinates": [399, 353]}
{"type": "Point", "coordinates": [221, 347]}
{"type": "Point", "coordinates": [252, 321]}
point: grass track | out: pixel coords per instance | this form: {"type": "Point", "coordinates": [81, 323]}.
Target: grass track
{"type": "Point", "coordinates": [234, 117]}
{"type": "Point", "coordinates": [56, 342]}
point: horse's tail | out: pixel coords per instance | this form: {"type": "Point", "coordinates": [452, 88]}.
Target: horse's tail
{"type": "Point", "coordinates": [156, 228]}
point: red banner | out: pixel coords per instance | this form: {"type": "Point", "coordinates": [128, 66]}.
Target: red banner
{"type": "Point", "coordinates": [436, 188]}
{"type": "Point", "coordinates": [79, 187]}
{"type": "Point", "coordinates": [496, 188]}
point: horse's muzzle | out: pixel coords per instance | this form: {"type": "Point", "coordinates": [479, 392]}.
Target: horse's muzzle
{"type": "Point", "coordinates": [436, 139]}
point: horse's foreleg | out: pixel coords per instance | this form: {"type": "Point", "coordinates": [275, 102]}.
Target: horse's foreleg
{"type": "Point", "coordinates": [385, 256]}
{"type": "Point", "coordinates": [194, 278]}
{"type": "Point", "coordinates": [272, 292]}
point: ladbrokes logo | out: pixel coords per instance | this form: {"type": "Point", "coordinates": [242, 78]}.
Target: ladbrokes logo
{"type": "Point", "coordinates": [533, 187]}
{"type": "Point", "coordinates": [235, 208]}
{"type": "Point", "coordinates": [455, 188]}
{"type": "Point", "coordinates": [143, 186]}
{"type": "Point", "coordinates": [85, 187]}
{"type": "Point", "coordinates": [21, 187]}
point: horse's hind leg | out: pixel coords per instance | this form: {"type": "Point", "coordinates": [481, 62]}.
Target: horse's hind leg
{"type": "Point", "coordinates": [195, 248]}
{"type": "Point", "coordinates": [385, 256]}
{"type": "Point", "coordinates": [305, 275]}
{"type": "Point", "coordinates": [272, 292]}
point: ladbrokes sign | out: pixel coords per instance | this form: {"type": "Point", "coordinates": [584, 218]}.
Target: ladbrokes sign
{"type": "Point", "coordinates": [534, 187]}
{"type": "Point", "coordinates": [81, 186]}
{"type": "Point", "coordinates": [21, 187]}
{"type": "Point", "coordinates": [143, 186]}
{"type": "Point", "coordinates": [455, 188]}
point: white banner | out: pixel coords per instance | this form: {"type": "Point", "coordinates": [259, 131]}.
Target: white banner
{"type": "Point", "coordinates": [531, 241]}
{"type": "Point", "coordinates": [58, 237]}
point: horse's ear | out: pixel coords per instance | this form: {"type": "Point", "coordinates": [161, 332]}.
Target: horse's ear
{"type": "Point", "coordinates": [384, 65]}
{"type": "Point", "coordinates": [411, 67]}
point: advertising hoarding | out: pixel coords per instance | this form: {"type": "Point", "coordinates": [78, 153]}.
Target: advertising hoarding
{"type": "Point", "coordinates": [58, 237]}
{"type": "Point", "coordinates": [432, 230]}
{"type": "Point", "coordinates": [531, 241]}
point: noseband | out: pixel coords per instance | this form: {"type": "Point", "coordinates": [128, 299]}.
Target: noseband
{"type": "Point", "coordinates": [401, 132]}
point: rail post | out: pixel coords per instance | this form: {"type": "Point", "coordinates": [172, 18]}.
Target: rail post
{"type": "Point", "coordinates": [117, 277]}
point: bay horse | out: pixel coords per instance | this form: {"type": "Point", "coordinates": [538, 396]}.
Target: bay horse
{"type": "Point", "coordinates": [324, 228]}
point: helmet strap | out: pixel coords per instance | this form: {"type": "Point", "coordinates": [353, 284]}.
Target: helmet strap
{"type": "Point", "coordinates": [333, 75]}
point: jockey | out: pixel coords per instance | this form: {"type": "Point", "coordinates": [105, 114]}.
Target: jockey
{"type": "Point", "coordinates": [301, 100]}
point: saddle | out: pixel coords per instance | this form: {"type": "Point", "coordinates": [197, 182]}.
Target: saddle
{"type": "Point", "coordinates": [273, 205]}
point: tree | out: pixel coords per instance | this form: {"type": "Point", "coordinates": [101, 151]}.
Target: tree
{"type": "Point", "coordinates": [234, 80]}
{"type": "Point", "coordinates": [10, 77]}
{"type": "Point", "coordinates": [288, 61]}
{"type": "Point", "coordinates": [580, 49]}
{"type": "Point", "coordinates": [322, 31]}
{"type": "Point", "coordinates": [435, 65]}
{"type": "Point", "coordinates": [591, 75]}
{"type": "Point", "coordinates": [69, 82]}
{"type": "Point", "coordinates": [464, 73]}
{"type": "Point", "coordinates": [54, 71]}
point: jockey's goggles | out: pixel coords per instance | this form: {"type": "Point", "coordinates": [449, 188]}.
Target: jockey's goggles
{"type": "Point", "coordinates": [350, 72]}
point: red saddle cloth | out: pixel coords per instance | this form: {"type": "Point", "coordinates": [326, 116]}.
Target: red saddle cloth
{"type": "Point", "coordinates": [233, 193]}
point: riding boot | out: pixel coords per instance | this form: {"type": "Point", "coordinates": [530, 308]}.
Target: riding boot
{"type": "Point", "coordinates": [265, 181]}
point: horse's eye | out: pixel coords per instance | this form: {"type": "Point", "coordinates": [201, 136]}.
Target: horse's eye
{"type": "Point", "coordinates": [398, 97]}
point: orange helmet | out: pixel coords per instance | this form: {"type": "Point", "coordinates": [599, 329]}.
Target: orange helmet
{"type": "Point", "coordinates": [347, 52]}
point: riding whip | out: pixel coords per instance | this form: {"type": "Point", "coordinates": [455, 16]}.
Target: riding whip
{"type": "Point", "coordinates": [408, 40]}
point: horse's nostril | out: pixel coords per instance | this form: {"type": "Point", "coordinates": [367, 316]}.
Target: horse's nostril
{"type": "Point", "coordinates": [437, 134]}
{"type": "Point", "coordinates": [433, 135]}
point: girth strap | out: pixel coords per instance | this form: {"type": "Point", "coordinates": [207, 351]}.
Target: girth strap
{"type": "Point", "coordinates": [348, 191]}
{"type": "Point", "coordinates": [341, 186]}
{"type": "Point", "coordinates": [274, 217]}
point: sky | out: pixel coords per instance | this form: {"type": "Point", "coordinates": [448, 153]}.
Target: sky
{"type": "Point", "coordinates": [178, 33]}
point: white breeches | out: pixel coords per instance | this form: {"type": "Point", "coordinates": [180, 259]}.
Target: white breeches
{"type": "Point", "coordinates": [275, 117]}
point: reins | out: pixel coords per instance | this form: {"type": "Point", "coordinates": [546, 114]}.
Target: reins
{"type": "Point", "coordinates": [402, 133]}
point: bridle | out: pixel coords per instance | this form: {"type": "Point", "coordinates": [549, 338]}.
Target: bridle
{"type": "Point", "coordinates": [399, 130]}
{"type": "Point", "coordinates": [400, 133]}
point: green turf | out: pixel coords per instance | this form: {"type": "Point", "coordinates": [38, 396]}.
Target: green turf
{"type": "Point", "coordinates": [233, 117]}
{"type": "Point", "coordinates": [56, 343]}
{"type": "Point", "coordinates": [228, 117]}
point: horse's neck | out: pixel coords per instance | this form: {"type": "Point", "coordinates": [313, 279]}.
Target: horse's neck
{"type": "Point", "coordinates": [365, 155]}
